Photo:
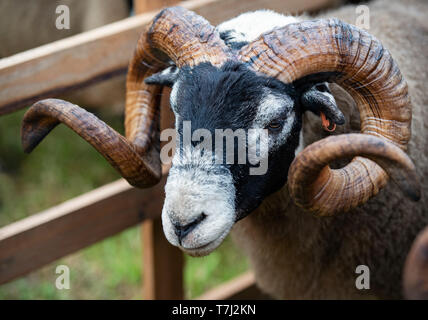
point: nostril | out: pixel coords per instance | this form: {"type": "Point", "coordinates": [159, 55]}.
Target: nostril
{"type": "Point", "coordinates": [182, 231]}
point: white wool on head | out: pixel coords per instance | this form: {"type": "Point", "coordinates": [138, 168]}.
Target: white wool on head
{"type": "Point", "coordinates": [250, 25]}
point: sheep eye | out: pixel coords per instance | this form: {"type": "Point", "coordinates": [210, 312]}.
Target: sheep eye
{"type": "Point", "coordinates": [275, 125]}
{"type": "Point", "coordinates": [321, 87]}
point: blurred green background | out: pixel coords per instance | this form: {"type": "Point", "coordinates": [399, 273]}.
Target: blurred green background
{"type": "Point", "coordinates": [63, 167]}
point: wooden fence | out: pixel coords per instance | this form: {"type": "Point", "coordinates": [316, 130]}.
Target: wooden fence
{"type": "Point", "coordinates": [33, 242]}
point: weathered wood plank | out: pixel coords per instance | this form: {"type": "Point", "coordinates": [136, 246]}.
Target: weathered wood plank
{"type": "Point", "coordinates": [242, 287]}
{"type": "Point", "coordinates": [68, 64]}
{"type": "Point", "coordinates": [141, 6]}
{"type": "Point", "coordinates": [96, 55]}
{"type": "Point", "coordinates": [39, 239]}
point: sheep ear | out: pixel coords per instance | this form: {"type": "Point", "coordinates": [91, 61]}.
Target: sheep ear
{"type": "Point", "coordinates": [166, 77]}
{"type": "Point", "coordinates": [318, 98]}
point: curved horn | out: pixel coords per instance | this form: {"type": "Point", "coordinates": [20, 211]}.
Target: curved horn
{"type": "Point", "coordinates": [310, 175]}
{"type": "Point", "coordinates": [175, 34]}
{"type": "Point", "coordinates": [45, 115]}
{"type": "Point", "coordinates": [334, 51]}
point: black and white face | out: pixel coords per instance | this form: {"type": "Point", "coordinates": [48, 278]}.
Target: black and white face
{"type": "Point", "coordinates": [208, 189]}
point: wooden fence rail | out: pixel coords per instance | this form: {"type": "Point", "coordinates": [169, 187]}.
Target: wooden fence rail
{"type": "Point", "coordinates": [41, 238]}
{"type": "Point", "coordinates": [76, 62]}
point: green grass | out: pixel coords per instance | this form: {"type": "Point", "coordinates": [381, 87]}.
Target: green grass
{"type": "Point", "coordinates": [63, 167]}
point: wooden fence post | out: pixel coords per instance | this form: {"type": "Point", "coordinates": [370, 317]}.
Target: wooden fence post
{"type": "Point", "coordinates": [163, 264]}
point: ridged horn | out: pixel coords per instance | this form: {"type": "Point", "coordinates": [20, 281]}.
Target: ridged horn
{"type": "Point", "coordinates": [334, 51]}
{"type": "Point", "coordinates": [45, 115]}
{"type": "Point", "coordinates": [176, 34]}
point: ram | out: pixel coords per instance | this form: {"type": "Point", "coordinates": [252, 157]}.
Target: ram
{"type": "Point", "coordinates": [305, 227]}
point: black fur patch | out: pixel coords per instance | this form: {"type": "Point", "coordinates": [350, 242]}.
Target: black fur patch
{"type": "Point", "coordinates": [228, 98]}
{"type": "Point", "coordinates": [227, 37]}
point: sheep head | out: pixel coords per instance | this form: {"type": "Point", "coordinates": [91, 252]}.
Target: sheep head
{"type": "Point", "coordinates": [267, 85]}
